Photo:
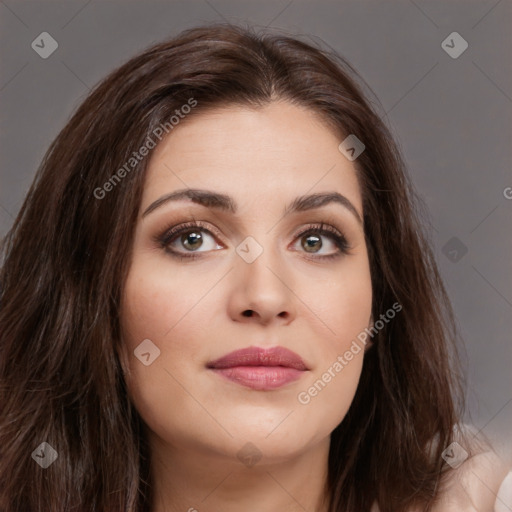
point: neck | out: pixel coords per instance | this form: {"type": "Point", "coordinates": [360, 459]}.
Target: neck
{"type": "Point", "coordinates": [191, 480]}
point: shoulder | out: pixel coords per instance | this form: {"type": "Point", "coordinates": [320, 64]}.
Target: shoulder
{"type": "Point", "coordinates": [479, 485]}
{"type": "Point", "coordinates": [479, 481]}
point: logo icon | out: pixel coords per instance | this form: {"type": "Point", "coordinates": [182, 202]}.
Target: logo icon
{"type": "Point", "coordinates": [454, 455]}
{"type": "Point", "coordinates": [249, 455]}
{"type": "Point", "coordinates": [44, 45]}
{"type": "Point", "coordinates": [454, 45]}
{"type": "Point", "coordinates": [454, 249]}
{"type": "Point", "coordinates": [45, 455]}
{"type": "Point", "coordinates": [249, 249]}
{"type": "Point", "coordinates": [351, 147]}
{"type": "Point", "coordinates": [146, 352]}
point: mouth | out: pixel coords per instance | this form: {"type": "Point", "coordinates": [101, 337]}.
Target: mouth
{"type": "Point", "coordinates": [260, 369]}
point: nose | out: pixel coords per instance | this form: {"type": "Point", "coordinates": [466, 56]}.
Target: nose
{"type": "Point", "coordinates": [261, 292]}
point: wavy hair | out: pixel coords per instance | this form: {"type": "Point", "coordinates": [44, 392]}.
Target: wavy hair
{"type": "Point", "coordinates": [65, 261]}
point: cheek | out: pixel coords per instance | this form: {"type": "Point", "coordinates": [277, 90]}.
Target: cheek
{"type": "Point", "coordinates": [347, 308]}
{"type": "Point", "coordinates": [152, 309]}
{"type": "Point", "coordinates": [343, 302]}
{"type": "Point", "coordinates": [158, 304]}
{"type": "Point", "coordinates": [344, 306]}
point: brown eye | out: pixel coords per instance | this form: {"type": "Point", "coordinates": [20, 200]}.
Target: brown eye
{"type": "Point", "coordinates": [323, 241]}
{"type": "Point", "coordinates": [311, 243]}
{"type": "Point", "coordinates": [186, 239]}
{"type": "Point", "coordinates": [192, 240]}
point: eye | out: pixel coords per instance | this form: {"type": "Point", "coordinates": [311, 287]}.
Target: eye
{"type": "Point", "coordinates": [191, 237]}
{"type": "Point", "coordinates": [323, 237]}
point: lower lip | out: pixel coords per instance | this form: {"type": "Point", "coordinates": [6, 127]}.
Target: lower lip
{"type": "Point", "coordinates": [261, 377]}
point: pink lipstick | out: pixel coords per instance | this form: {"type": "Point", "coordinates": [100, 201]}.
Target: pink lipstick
{"type": "Point", "coordinates": [260, 369]}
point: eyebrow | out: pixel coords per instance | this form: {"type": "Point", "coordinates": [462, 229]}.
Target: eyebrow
{"type": "Point", "coordinates": [224, 202]}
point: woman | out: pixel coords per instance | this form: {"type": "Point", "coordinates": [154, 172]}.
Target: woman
{"type": "Point", "coordinates": [217, 296]}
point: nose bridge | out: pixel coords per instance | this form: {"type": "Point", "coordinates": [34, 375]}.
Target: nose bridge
{"type": "Point", "coordinates": [256, 258]}
{"type": "Point", "coordinates": [260, 279]}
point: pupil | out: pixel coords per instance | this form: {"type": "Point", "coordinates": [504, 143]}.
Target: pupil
{"type": "Point", "coordinates": [311, 240]}
{"type": "Point", "coordinates": [192, 240]}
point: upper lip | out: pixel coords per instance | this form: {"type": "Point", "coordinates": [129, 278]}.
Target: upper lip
{"type": "Point", "coordinates": [256, 356]}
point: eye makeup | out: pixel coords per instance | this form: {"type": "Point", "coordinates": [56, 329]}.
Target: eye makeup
{"type": "Point", "coordinates": [314, 233]}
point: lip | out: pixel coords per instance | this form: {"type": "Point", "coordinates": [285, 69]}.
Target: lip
{"type": "Point", "coordinates": [259, 368]}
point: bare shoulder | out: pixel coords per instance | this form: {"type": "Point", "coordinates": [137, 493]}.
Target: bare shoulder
{"type": "Point", "coordinates": [478, 481]}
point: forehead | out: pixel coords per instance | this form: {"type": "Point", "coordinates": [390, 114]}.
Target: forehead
{"type": "Point", "coordinates": [268, 153]}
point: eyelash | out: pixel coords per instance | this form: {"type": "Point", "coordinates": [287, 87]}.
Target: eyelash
{"type": "Point", "coordinates": [171, 233]}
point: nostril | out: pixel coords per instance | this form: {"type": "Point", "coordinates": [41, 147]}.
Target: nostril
{"type": "Point", "coordinates": [247, 312]}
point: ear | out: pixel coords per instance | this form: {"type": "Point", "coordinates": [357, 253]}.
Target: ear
{"type": "Point", "coordinates": [369, 342]}
{"type": "Point", "coordinates": [122, 353]}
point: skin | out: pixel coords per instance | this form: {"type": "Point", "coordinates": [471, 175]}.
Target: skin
{"type": "Point", "coordinates": [193, 310]}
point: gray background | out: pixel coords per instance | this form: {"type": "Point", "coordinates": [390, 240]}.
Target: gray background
{"type": "Point", "coordinates": [452, 118]}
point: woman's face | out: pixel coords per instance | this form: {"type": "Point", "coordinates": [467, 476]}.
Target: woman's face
{"type": "Point", "coordinates": [256, 274]}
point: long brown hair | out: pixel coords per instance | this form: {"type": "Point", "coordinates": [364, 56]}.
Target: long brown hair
{"type": "Point", "coordinates": [67, 255]}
